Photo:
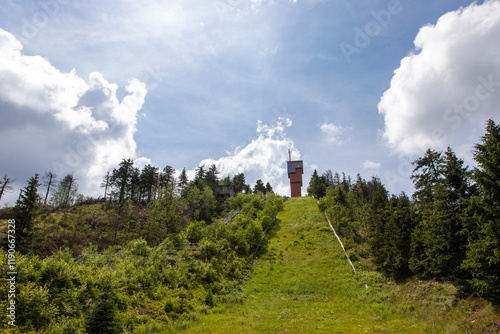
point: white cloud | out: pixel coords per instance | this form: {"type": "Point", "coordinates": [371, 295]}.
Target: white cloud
{"type": "Point", "coordinates": [263, 158]}
{"type": "Point", "coordinates": [334, 134]}
{"type": "Point", "coordinates": [57, 121]}
{"type": "Point", "coordinates": [444, 92]}
{"type": "Point", "coordinates": [371, 165]}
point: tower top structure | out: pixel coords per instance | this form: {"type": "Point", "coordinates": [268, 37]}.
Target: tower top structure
{"type": "Point", "coordinates": [295, 170]}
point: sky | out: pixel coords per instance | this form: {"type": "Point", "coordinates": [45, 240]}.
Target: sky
{"type": "Point", "coordinates": [361, 86]}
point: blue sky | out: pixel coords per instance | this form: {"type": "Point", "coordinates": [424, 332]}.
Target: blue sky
{"type": "Point", "coordinates": [352, 86]}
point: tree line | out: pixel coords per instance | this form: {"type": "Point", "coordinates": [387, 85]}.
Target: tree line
{"type": "Point", "coordinates": [448, 230]}
{"type": "Point", "coordinates": [160, 192]}
{"type": "Point", "coordinates": [129, 182]}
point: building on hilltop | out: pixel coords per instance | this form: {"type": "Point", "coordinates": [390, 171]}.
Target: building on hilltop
{"type": "Point", "coordinates": [295, 171]}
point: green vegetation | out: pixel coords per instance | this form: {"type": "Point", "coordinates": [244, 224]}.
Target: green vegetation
{"type": "Point", "coordinates": [139, 288]}
{"type": "Point", "coordinates": [305, 285]}
{"type": "Point", "coordinates": [448, 232]}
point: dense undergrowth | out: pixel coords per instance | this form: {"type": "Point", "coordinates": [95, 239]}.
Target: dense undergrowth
{"type": "Point", "coordinates": [141, 285]}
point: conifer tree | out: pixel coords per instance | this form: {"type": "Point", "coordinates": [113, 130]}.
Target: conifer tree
{"type": "Point", "coordinates": [317, 186]}
{"type": "Point", "coordinates": [148, 180]}
{"type": "Point", "coordinates": [425, 176]}
{"type": "Point", "coordinates": [439, 242]}
{"type": "Point", "coordinates": [399, 224]}
{"type": "Point", "coordinates": [483, 253]}
{"type": "Point", "coordinates": [66, 192]}
{"type": "Point", "coordinates": [26, 208]}
{"type": "Point", "coordinates": [134, 187]}
{"type": "Point", "coordinates": [212, 177]}
{"type": "Point", "coordinates": [269, 188]}
{"type": "Point", "coordinates": [104, 317]}
{"type": "Point", "coordinates": [183, 179]}
{"type": "Point", "coordinates": [239, 183]}
{"type": "Point", "coordinates": [120, 178]}
{"type": "Point", "coordinates": [377, 225]}
{"type": "Point", "coordinates": [167, 179]}
{"type": "Point", "coordinates": [259, 187]}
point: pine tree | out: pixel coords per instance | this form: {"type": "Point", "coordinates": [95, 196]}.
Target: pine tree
{"type": "Point", "coordinates": [66, 192]}
{"type": "Point", "coordinates": [269, 188]}
{"type": "Point", "coordinates": [439, 242]}
{"type": "Point", "coordinates": [212, 177]}
{"type": "Point", "coordinates": [134, 186]}
{"type": "Point", "coordinates": [376, 224]}
{"type": "Point", "coordinates": [26, 209]}
{"type": "Point", "coordinates": [183, 179]}
{"type": "Point", "coordinates": [425, 176]}
{"type": "Point", "coordinates": [259, 187]}
{"type": "Point", "coordinates": [200, 174]}
{"type": "Point", "coordinates": [104, 317]}
{"type": "Point", "coordinates": [399, 226]}
{"type": "Point", "coordinates": [317, 186]}
{"type": "Point", "coordinates": [167, 179]}
{"type": "Point", "coordinates": [149, 181]}
{"type": "Point", "coordinates": [483, 253]}
{"type": "Point", "coordinates": [120, 178]}
{"type": "Point", "coordinates": [239, 183]}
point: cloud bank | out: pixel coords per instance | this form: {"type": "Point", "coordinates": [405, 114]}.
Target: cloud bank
{"type": "Point", "coordinates": [263, 158]}
{"type": "Point", "coordinates": [443, 93]}
{"type": "Point", "coordinates": [60, 122]}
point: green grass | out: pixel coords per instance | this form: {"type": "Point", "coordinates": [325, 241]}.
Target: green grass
{"type": "Point", "coordinates": [305, 285]}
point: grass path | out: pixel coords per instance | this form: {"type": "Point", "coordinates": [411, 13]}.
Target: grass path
{"type": "Point", "coordinates": [305, 285]}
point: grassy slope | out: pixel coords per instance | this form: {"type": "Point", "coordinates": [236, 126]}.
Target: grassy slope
{"type": "Point", "coordinates": [305, 285]}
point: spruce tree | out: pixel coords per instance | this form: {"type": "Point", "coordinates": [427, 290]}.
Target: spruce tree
{"type": "Point", "coordinates": [183, 179]}
{"type": "Point", "coordinates": [317, 186]}
{"type": "Point", "coordinates": [104, 316]}
{"type": "Point", "coordinates": [26, 209]}
{"type": "Point", "coordinates": [439, 242]}
{"type": "Point", "coordinates": [425, 176]}
{"type": "Point", "coordinates": [269, 188]}
{"type": "Point", "coordinates": [483, 253]}
{"type": "Point", "coordinates": [376, 224]}
{"type": "Point", "coordinates": [259, 187]}
{"type": "Point", "coordinates": [399, 225]}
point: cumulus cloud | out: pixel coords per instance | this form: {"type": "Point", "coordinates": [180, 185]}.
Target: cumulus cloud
{"type": "Point", "coordinates": [263, 158]}
{"type": "Point", "coordinates": [334, 134]}
{"type": "Point", "coordinates": [443, 93]}
{"type": "Point", "coordinates": [371, 165]}
{"type": "Point", "coordinates": [59, 122]}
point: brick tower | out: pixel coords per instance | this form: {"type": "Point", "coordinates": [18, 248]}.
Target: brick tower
{"type": "Point", "coordinates": [295, 171]}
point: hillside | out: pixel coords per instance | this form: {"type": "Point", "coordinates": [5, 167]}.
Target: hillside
{"type": "Point", "coordinates": [305, 285]}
